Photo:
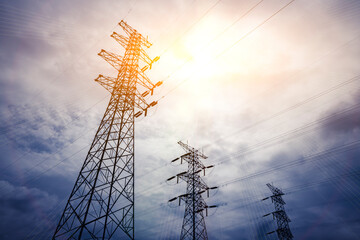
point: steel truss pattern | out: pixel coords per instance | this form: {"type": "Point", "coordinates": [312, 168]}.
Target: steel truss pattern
{"type": "Point", "coordinates": [282, 220]}
{"type": "Point", "coordinates": [101, 204]}
{"type": "Point", "coordinates": [193, 226]}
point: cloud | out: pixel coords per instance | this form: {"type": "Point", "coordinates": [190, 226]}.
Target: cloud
{"type": "Point", "coordinates": [348, 123]}
{"type": "Point", "coordinates": [28, 209]}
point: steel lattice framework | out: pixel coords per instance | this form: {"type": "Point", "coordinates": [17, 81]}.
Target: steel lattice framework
{"type": "Point", "coordinates": [193, 226]}
{"type": "Point", "coordinates": [101, 204]}
{"type": "Point", "coordinates": [282, 220]}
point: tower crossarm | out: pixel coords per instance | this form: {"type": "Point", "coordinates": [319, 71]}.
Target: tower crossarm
{"type": "Point", "coordinates": [145, 81]}
{"type": "Point", "coordinates": [107, 82]}
{"type": "Point", "coordinates": [140, 101]}
{"type": "Point", "coordinates": [142, 104]}
{"type": "Point", "coordinates": [191, 149]}
{"type": "Point", "coordinates": [200, 183]}
{"type": "Point", "coordinates": [131, 31]}
{"type": "Point", "coordinates": [189, 158]}
{"type": "Point", "coordinates": [122, 40]}
{"type": "Point", "coordinates": [145, 58]}
{"type": "Point", "coordinates": [274, 190]}
{"type": "Point", "coordinates": [113, 59]}
{"type": "Point", "coordinates": [281, 216]}
{"type": "Point", "coordinates": [278, 200]}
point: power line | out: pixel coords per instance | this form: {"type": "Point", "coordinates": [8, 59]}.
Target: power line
{"type": "Point", "coordinates": [311, 158]}
{"type": "Point", "coordinates": [309, 127]}
{"type": "Point", "coordinates": [17, 159]}
{"type": "Point", "coordinates": [46, 20]}
{"type": "Point", "coordinates": [252, 149]}
{"type": "Point", "coordinates": [292, 107]}
{"type": "Point", "coordinates": [218, 35]}
{"type": "Point", "coordinates": [254, 29]}
{"type": "Point", "coordinates": [255, 199]}
{"type": "Point", "coordinates": [274, 140]}
{"type": "Point", "coordinates": [231, 46]}
{"type": "Point", "coordinates": [246, 13]}
{"type": "Point", "coordinates": [188, 29]}
{"type": "Point", "coordinates": [283, 111]}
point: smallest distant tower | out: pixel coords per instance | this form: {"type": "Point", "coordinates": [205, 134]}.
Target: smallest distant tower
{"type": "Point", "coordinates": [282, 220]}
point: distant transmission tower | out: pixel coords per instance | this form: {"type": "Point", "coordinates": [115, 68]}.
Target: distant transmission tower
{"type": "Point", "coordinates": [101, 204]}
{"type": "Point", "coordinates": [282, 220]}
{"type": "Point", "coordinates": [193, 226]}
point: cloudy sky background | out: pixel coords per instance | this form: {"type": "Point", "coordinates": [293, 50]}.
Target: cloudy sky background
{"type": "Point", "coordinates": [268, 98]}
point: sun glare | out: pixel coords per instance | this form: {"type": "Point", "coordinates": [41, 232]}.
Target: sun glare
{"type": "Point", "coordinates": [193, 52]}
{"type": "Point", "coordinates": [209, 60]}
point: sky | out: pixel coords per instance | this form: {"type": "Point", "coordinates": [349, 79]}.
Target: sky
{"type": "Point", "coordinates": [268, 90]}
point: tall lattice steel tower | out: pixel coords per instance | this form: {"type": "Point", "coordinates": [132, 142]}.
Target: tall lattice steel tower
{"type": "Point", "coordinates": [101, 204]}
{"type": "Point", "coordinates": [282, 220]}
{"type": "Point", "coordinates": [193, 226]}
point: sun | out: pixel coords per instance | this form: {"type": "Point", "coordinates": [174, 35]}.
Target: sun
{"type": "Point", "coordinates": [195, 59]}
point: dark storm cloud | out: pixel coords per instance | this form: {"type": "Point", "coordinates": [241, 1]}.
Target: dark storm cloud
{"type": "Point", "coordinates": [346, 123]}
{"type": "Point", "coordinates": [349, 123]}
{"type": "Point", "coordinates": [323, 206]}
{"type": "Point", "coordinates": [328, 188]}
{"type": "Point", "coordinates": [319, 205]}
{"type": "Point", "coordinates": [23, 208]}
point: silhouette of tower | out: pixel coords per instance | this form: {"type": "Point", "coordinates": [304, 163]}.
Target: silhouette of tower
{"type": "Point", "coordinates": [282, 220]}
{"type": "Point", "coordinates": [101, 204]}
{"type": "Point", "coordinates": [193, 226]}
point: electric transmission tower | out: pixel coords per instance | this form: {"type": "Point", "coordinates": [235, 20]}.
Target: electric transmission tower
{"type": "Point", "coordinates": [193, 226]}
{"type": "Point", "coordinates": [282, 220]}
{"type": "Point", "coordinates": [101, 204]}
